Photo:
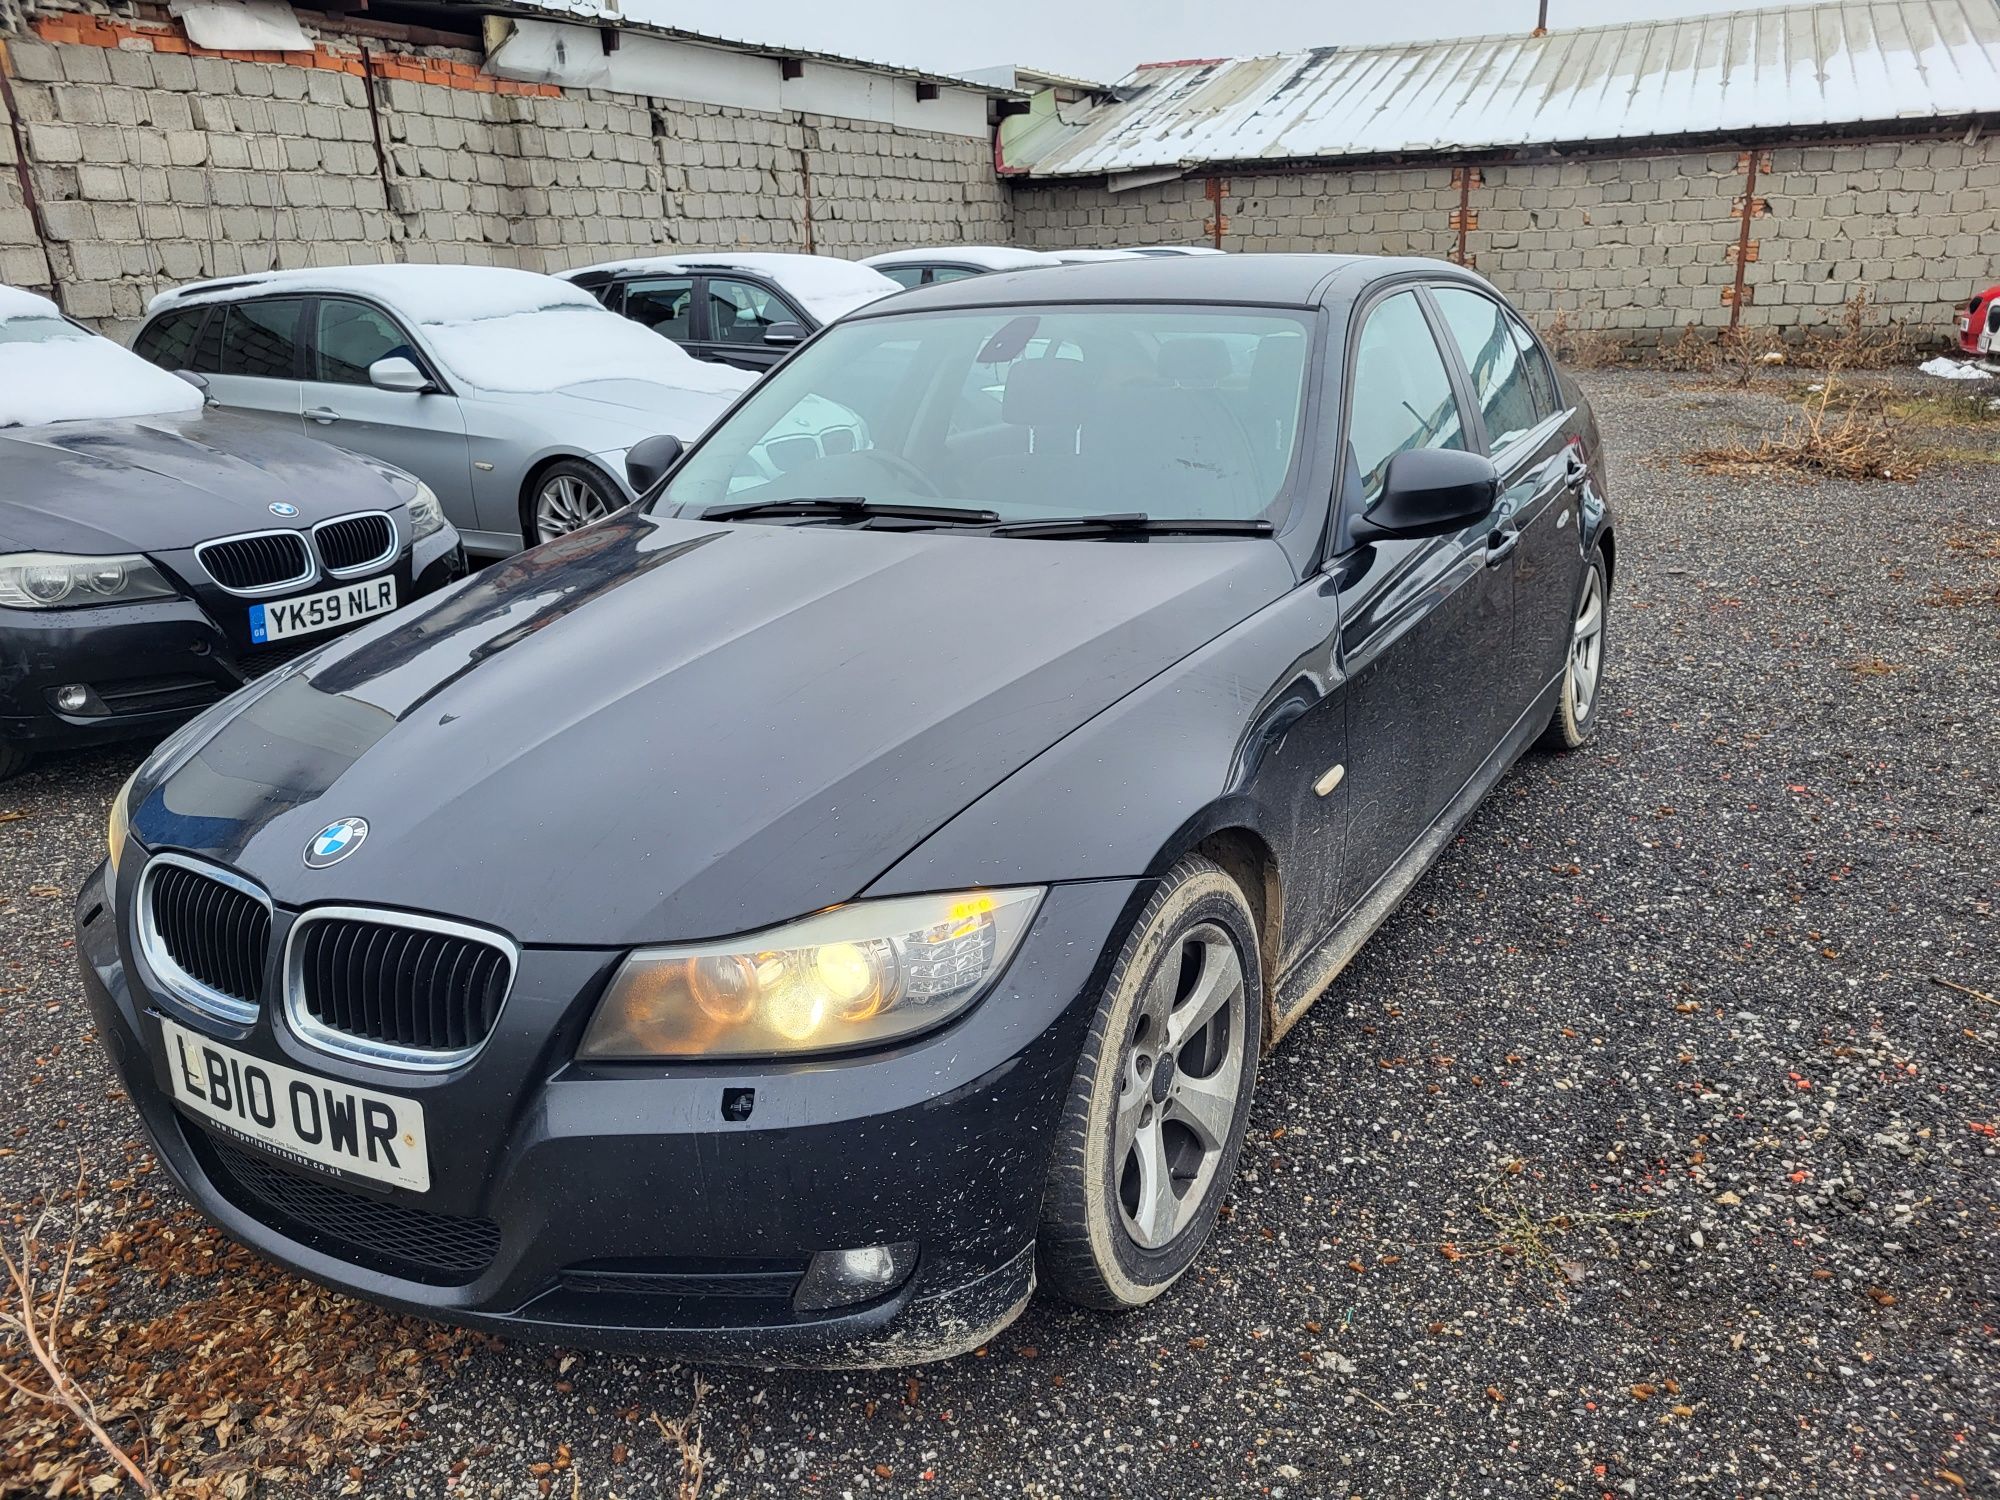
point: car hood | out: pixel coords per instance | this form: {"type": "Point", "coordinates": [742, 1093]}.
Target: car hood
{"type": "Point", "coordinates": [156, 484]}
{"type": "Point", "coordinates": [645, 404]}
{"type": "Point", "coordinates": [654, 729]}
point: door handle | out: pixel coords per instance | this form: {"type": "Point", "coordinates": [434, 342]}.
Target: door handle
{"type": "Point", "coordinates": [1575, 470]}
{"type": "Point", "coordinates": [1499, 544]}
{"type": "Point", "coordinates": [323, 415]}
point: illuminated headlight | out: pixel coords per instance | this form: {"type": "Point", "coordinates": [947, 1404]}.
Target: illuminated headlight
{"type": "Point", "coordinates": [848, 977]}
{"type": "Point", "coordinates": [426, 515]}
{"type": "Point", "coordinates": [52, 580]}
{"type": "Point", "coordinates": [121, 820]}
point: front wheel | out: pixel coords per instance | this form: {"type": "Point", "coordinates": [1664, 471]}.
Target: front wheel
{"type": "Point", "coordinates": [1575, 718]}
{"type": "Point", "coordinates": [13, 759]}
{"type": "Point", "coordinates": [1148, 1143]}
{"type": "Point", "coordinates": [566, 495]}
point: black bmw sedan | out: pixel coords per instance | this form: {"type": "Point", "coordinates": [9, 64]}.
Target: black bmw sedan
{"type": "Point", "coordinates": [155, 556]}
{"type": "Point", "coordinates": [786, 921]}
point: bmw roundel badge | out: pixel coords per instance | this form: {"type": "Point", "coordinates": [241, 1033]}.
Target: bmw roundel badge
{"type": "Point", "coordinates": [335, 842]}
{"type": "Point", "coordinates": [283, 508]}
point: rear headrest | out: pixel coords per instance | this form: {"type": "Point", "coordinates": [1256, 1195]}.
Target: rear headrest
{"type": "Point", "coordinates": [1193, 361]}
{"type": "Point", "coordinates": [1044, 393]}
{"type": "Point", "coordinates": [1277, 362]}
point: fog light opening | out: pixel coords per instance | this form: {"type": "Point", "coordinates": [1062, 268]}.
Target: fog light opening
{"type": "Point", "coordinates": [75, 698]}
{"type": "Point", "coordinates": [838, 1278]}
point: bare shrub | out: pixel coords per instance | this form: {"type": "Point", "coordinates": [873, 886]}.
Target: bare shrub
{"type": "Point", "coordinates": [1581, 348]}
{"type": "Point", "coordinates": [1858, 342]}
{"type": "Point", "coordinates": [1822, 439]}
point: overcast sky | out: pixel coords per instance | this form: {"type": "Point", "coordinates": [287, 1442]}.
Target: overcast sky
{"type": "Point", "coordinates": [1102, 39]}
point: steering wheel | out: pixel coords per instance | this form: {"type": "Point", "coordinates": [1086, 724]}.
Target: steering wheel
{"type": "Point", "coordinates": [912, 476]}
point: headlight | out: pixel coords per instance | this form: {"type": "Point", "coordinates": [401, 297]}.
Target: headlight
{"type": "Point", "coordinates": [426, 515]}
{"type": "Point", "coordinates": [121, 820]}
{"type": "Point", "coordinates": [49, 580]}
{"type": "Point", "coordinates": [854, 975]}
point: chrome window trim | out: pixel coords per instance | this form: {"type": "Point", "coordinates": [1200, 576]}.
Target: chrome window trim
{"type": "Point", "coordinates": [395, 544]}
{"type": "Point", "coordinates": [176, 981]}
{"type": "Point", "coordinates": [322, 1038]}
{"type": "Point", "coordinates": [306, 550]}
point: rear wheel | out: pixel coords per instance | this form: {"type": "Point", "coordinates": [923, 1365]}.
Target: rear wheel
{"type": "Point", "coordinates": [1148, 1144]}
{"type": "Point", "coordinates": [1575, 718]}
{"type": "Point", "coordinates": [566, 495]}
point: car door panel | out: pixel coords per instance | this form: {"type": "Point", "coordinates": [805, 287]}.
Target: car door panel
{"type": "Point", "coordinates": [423, 433]}
{"type": "Point", "coordinates": [250, 353]}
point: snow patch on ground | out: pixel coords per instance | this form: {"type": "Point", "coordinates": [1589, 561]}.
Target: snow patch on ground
{"type": "Point", "coordinates": [1952, 369]}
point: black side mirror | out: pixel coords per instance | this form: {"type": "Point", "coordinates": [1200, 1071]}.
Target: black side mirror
{"type": "Point", "coordinates": [784, 335]}
{"type": "Point", "coordinates": [200, 383]}
{"type": "Point", "coordinates": [1430, 492]}
{"type": "Point", "coordinates": [648, 461]}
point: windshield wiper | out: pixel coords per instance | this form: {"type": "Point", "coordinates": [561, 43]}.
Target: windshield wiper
{"type": "Point", "coordinates": [849, 508]}
{"type": "Point", "coordinates": [1135, 523]}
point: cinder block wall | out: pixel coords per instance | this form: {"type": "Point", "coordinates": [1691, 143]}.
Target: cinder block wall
{"type": "Point", "coordinates": [155, 163]}
{"type": "Point", "coordinates": [1638, 246]}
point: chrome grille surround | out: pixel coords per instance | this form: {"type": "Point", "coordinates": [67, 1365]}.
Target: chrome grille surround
{"type": "Point", "coordinates": [196, 993]}
{"type": "Point", "coordinates": [245, 565]}
{"type": "Point", "coordinates": [326, 1037]}
{"type": "Point", "coordinates": [338, 540]}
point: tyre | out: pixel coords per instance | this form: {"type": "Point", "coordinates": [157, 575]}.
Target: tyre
{"type": "Point", "coordinates": [1147, 1146]}
{"type": "Point", "coordinates": [566, 495]}
{"type": "Point", "coordinates": [1575, 718]}
{"type": "Point", "coordinates": [13, 759]}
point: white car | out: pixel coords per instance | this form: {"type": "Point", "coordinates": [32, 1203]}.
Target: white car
{"type": "Point", "coordinates": [511, 394]}
{"type": "Point", "coordinates": [929, 265]}
{"type": "Point", "coordinates": [743, 308]}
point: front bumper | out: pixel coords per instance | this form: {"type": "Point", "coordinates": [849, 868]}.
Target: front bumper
{"type": "Point", "coordinates": [621, 1207]}
{"type": "Point", "coordinates": [151, 664]}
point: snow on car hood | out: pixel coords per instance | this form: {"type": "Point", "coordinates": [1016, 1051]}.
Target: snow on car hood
{"type": "Point", "coordinates": [51, 370]}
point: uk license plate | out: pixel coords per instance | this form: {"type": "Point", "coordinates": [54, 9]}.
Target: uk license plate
{"type": "Point", "coordinates": [322, 611]}
{"type": "Point", "coordinates": [317, 1121]}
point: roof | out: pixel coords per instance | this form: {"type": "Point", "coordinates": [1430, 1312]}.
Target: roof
{"type": "Point", "coordinates": [425, 293]}
{"type": "Point", "coordinates": [1826, 66]}
{"type": "Point", "coordinates": [990, 257]}
{"type": "Point", "coordinates": [613, 13]}
{"type": "Point", "coordinates": [828, 286]}
{"type": "Point", "coordinates": [1278, 280]}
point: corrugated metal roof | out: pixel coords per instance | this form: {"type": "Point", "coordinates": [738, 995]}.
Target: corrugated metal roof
{"type": "Point", "coordinates": [1800, 67]}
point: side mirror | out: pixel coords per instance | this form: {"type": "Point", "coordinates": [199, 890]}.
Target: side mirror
{"type": "Point", "coordinates": [648, 461]}
{"type": "Point", "coordinates": [784, 335]}
{"type": "Point", "coordinates": [398, 374]}
{"type": "Point", "coordinates": [200, 383]}
{"type": "Point", "coordinates": [1430, 492]}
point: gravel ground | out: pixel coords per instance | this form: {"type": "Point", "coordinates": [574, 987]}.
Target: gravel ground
{"type": "Point", "coordinates": [1641, 1153]}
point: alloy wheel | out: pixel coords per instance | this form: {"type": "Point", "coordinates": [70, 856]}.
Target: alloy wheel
{"type": "Point", "coordinates": [566, 503]}
{"type": "Point", "coordinates": [1586, 646]}
{"type": "Point", "coordinates": [1179, 1082]}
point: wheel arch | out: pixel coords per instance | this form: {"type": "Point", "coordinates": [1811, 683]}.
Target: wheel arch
{"type": "Point", "coordinates": [524, 508]}
{"type": "Point", "coordinates": [1246, 857]}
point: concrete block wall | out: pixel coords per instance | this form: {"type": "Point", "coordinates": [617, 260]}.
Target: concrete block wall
{"type": "Point", "coordinates": [157, 164]}
{"type": "Point", "coordinates": [1638, 247]}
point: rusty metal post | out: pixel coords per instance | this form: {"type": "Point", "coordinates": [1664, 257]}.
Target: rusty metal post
{"type": "Point", "coordinates": [806, 184]}
{"type": "Point", "coordinates": [1464, 220]}
{"type": "Point", "coordinates": [369, 83]}
{"type": "Point", "coordinates": [1745, 249]}
{"type": "Point", "coordinates": [1217, 221]}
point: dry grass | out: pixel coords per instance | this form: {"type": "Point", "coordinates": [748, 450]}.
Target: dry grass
{"type": "Point", "coordinates": [1826, 440]}
{"type": "Point", "coordinates": [1581, 348]}
{"type": "Point", "coordinates": [1861, 342]}
{"type": "Point", "coordinates": [1733, 354]}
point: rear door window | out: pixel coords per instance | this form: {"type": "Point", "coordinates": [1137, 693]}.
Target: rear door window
{"type": "Point", "coordinates": [350, 336]}
{"type": "Point", "coordinates": [1402, 393]}
{"type": "Point", "coordinates": [664, 304]}
{"type": "Point", "coordinates": [261, 339]}
{"type": "Point", "coordinates": [904, 275]}
{"type": "Point", "coordinates": [1502, 380]}
{"type": "Point", "coordinates": [168, 341]}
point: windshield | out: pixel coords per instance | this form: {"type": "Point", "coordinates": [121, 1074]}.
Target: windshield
{"type": "Point", "coordinates": [1028, 412]}
{"type": "Point", "coordinates": [51, 370]}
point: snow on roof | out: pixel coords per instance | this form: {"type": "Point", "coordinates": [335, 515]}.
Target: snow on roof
{"type": "Point", "coordinates": [989, 257]}
{"type": "Point", "coordinates": [827, 286]}
{"type": "Point", "coordinates": [53, 371]}
{"type": "Point", "coordinates": [497, 329]}
{"type": "Point", "coordinates": [1851, 62]}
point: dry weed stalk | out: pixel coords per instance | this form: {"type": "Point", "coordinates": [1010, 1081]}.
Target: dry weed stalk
{"type": "Point", "coordinates": [34, 1318]}
{"type": "Point", "coordinates": [684, 1434]}
{"type": "Point", "coordinates": [1859, 445]}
